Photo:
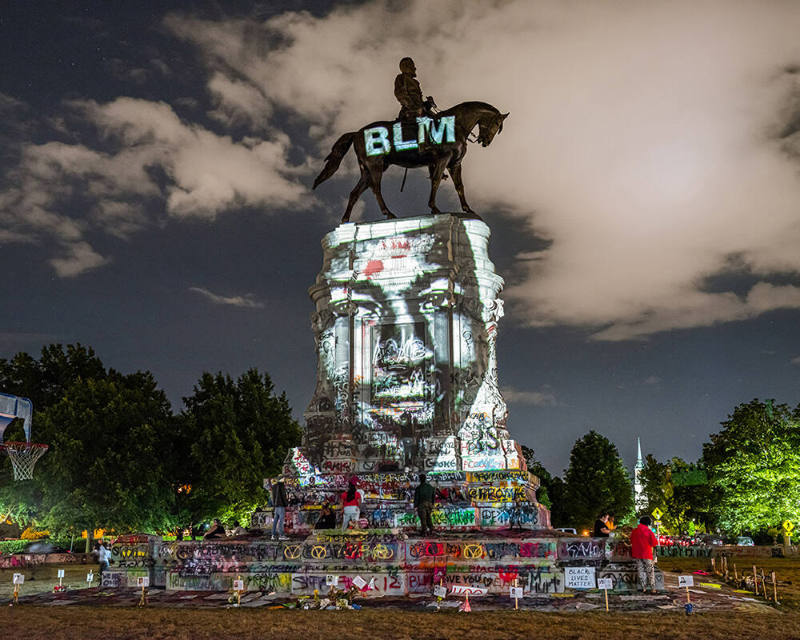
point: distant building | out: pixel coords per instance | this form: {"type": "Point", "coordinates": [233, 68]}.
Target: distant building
{"type": "Point", "coordinates": [639, 499]}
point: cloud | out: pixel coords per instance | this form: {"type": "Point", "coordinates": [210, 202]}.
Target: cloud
{"type": "Point", "coordinates": [649, 380]}
{"type": "Point", "coordinates": [543, 398]}
{"type": "Point", "coordinates": [795, 360]}
{"type": "Point", "coordinates": [149, 157]}
{"type": "Point", "coordinates": [246, 301]}
{"type": "Point", "coordinates": [648, 143]}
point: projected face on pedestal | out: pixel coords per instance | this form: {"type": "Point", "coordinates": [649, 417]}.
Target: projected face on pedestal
{"type": "Point", "coordinates": [405, 328]}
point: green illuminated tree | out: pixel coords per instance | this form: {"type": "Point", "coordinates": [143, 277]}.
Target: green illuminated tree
{"type": "Point", "coordinates": [681, 505]}
{"type": "Point", "coordinates": [753, 465]}
{"type": "Point", "coordinates": [596, 481]}
{"type": "Point", "coordinates": [537, 469]}
{"type": "Point", "coordinates": [233, 435]}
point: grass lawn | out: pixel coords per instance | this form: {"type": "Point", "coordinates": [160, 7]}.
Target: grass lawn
{"type": "Point", "coordinates": [37, 623]}
{"type": "Point", "coordinates": [787, 572]}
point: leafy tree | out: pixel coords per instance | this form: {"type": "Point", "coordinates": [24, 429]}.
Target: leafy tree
{"type": "Point", "coordinates": [682, 505]}
{"type": "Point", "coordinates": [234, 434]}
{"type": "Point", "coordinates": [596, 481]}
{"type": "Point", "coordinates": [753, 465]}
{"type": "Point", "coordinates": [537, 469]}
{"type": "Point", "coordinates": [109, 435]}
{"type": "Point", "coordinates": [44, 381]}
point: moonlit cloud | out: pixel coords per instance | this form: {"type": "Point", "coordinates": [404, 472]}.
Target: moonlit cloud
{"type": "Point", "coordinates": [654, 146]}
{"type": "Point", "coordinates": [542, 398]}
{"type": "Point", "coordinates": [206, 174]}
{"type": "Point", "coordinates": [246, 301]}
{"type": "Point", "coordinates": [649, 142]}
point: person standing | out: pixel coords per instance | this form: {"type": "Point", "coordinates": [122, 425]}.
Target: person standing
{"type": "Point", "coordinates": [643, 540]}
{"type": "Point", "coordinates": [423, 503]}
{"type": "Point", "coordinates": [601, 528]}
{"type": "Point", "coordinates": [279, 504]}
{"type": "Point", "coordinates": [103, 556]}
{"type": "Point", "coordinates": [351, 504]}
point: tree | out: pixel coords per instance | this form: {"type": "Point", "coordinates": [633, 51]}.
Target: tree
{"type": "Point", "coordinates": [109, 438]}
{"type": "Point", "coordinates": [753, 466]}
{"type": "Point", "coordinates": [545, 479]}
{"type": "Point", "coordinates": [682, 504]}
{"type": "Point", "coordinates": [234, 434]}
{"type": "Point", "coordinates": [596, 481]}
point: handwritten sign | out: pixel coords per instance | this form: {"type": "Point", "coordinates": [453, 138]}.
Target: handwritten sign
{"type": "Point", "coordinates": [332, 580]}
{"type": "Point", "coordinates": [143, 581]}
{"type": "Point", "coordinates": [90, 577]}
{"type": "Point", "coordinates": [685, 581]}
{"type": "Point", "coordinates": [18, 578]}
{"type": "Point", "coordinates": [515, 592]}
{"type": "Point", "coordinates": [60, 573]}
{"type": "Point", "coordinates": [238, 585]}
{"type": "Point", "coordinates": [359, 582]}
{"type": "Point", "coordinates": [464, 590]}
{"type": "Point", "coordinates": [440, 591]}
{"type": "Point", "coordinates": [605, 583]}
{"type": "Point", "coordinates": [579, 577]}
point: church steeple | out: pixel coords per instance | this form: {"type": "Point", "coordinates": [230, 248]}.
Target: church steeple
{"type": "Point", "coordinates": [639, 499]}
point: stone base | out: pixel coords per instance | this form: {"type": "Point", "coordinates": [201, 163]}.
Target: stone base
{"type": "Point", "coordinates": [466, 501]}
{"type": "Point", "coordinates": [389, 562]}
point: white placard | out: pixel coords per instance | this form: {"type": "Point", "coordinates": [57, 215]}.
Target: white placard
{"type": "Point", "coordinates": [143, 581]}
{"type": "Point", "coordinates": [579, 578]}
{"type": "Point", "coordinates": [60, 573]}
{"type": "Point", "coordinates": [463, 590]}
{"type": "Point", "coordinates": [440, 591]}
{"type": "Point", "coordinates": [605, 583]}
{"type": "Point", "coordinates": [359, 582]}
{"type": "Point", "coordinates": [331, 580]}
{"type": "Point", "coordinates": [90, 577]}
{"type": "Point", "coordinates": [515, 592]}
{"type": "Point", "coordinates": [238, 585]}
{"type": "Point", "coordinates": [685, 581]}
{"type": "Point", "coordinates": [18, 578]}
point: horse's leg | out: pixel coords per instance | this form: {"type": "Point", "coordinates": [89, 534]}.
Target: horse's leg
{"type": "Point", "coordinates": [436, 171]}
{"type": "Point", "coordinates": [458, 183]}
{"type": "Point", "coordinates": [375, 172]}
{"type": "Point", "coordinates": [355, 194]}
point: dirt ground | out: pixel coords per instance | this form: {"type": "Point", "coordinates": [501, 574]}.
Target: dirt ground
{"type": "Point", "coordinates": [721, 613]}
{"type": "Point", "coordinates": [42, 578]}
{"type": "Point", "coordinates": [39, 623]}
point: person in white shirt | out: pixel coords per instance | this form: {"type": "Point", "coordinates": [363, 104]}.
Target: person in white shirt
{"type": "Point", "coordinates": [103, 556]}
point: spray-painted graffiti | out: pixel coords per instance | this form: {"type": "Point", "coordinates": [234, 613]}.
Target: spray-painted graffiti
{"type": "Point", "coordinates": [496, 494]}
{"type": "Point", "coordinates": [587, 548]}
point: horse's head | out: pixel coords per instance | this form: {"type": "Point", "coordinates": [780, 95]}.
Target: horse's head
{"type": "Point", "coordinates": [489, 127]}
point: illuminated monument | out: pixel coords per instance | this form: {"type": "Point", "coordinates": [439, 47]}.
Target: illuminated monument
{"type": "Point", "coordinates": [405, 327]}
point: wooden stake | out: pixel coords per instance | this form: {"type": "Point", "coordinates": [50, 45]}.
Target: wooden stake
{"type": "Point", "coordinates": [516, 600]}
{"type": "Point", "coordinates": [775, 587]}
{"type": "Point", "coordinates": [755, 580]}
{"type": "Point", "coordinates": [606, 592]}
{"type": "Point", "coordinates": [688, 598]}
{"type": "Point", "coordinates": [735, 574]}
{"type": "Point", "coordinates": [713, 566]}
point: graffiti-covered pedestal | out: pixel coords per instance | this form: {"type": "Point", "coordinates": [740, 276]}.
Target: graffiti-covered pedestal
{"type": "Point", "coordinates": [405, 324]}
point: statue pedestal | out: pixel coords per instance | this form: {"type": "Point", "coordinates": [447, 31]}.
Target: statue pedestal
{"type": "Point", "coordinates": [405, 324]}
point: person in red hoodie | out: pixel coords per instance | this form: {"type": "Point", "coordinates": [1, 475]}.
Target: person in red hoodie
{"type": "Point", "coordinates": [642, 542]}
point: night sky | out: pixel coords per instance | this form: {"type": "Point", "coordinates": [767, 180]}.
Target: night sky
{"type": "Point", "coordinates": [644, 195]}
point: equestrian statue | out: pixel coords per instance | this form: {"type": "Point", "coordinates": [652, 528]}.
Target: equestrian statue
{"type": "Point", "coordinates": [420, 137]}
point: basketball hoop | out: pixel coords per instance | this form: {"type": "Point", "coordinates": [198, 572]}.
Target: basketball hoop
{"type": "Point", "coordinates": [23, 457]}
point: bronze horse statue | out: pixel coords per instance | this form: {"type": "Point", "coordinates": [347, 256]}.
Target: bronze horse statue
{"type": "Point", "coordinates": [440, 143]}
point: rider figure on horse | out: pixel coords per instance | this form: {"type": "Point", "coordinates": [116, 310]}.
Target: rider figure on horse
{"type": "Point", "coordinates": [409, 93]}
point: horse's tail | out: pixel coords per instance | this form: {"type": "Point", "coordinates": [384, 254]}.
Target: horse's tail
{"type": "Point", "coordinates": [334, 158]}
